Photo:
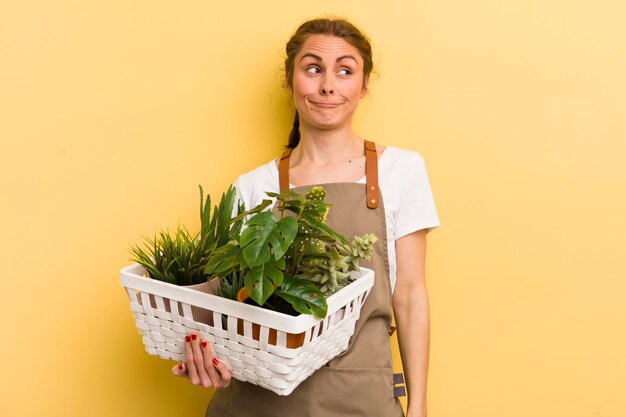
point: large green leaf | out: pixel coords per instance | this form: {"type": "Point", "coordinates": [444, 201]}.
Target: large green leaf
{"type": "Point", "coordinates": [304, 296]}
{"type": "Point", "coordinates": [265, 235]}
{"type": "Point", "coordinates": [261, 280]}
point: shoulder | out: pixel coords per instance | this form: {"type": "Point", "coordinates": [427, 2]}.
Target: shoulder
{"type": "Point", "coordinates": [261, 173]}
{"type": "Point", "coordinates": [406, 191]}
{"type": "Point", "coordinates": [253, 185]}
{"type": "Point", "coordinates": [401, 161]}
{"type": "Point", "coordinates": [402, 173]}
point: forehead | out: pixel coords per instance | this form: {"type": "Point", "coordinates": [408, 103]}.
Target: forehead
{"type": "Point", "coordinates": [328, 46]}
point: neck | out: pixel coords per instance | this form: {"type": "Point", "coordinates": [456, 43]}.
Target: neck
{"type": "Point", "coordinates": [326, 147]}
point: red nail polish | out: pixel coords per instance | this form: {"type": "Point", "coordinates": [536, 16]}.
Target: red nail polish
{"type": "Point", "coordinates": [180, 366]}
{"type": "Point", "coordinates": [194, 336]}
{"type": "Point", "coordinates": [215, 362]}
{"type": "Point", "coordinates": [204, 343]}
{"type": "Point", "coordinates": [187, 339]}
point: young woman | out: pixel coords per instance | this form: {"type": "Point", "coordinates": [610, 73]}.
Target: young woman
{"type": "Point", "coordinates": [372, 189]}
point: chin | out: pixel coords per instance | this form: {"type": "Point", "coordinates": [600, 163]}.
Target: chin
{"type": "Point", "coordinates": [330, 122]}
{"type": "Point", "coordinates": [327, 125]}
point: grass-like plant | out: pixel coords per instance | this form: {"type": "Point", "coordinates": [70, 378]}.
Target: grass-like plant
{"type": "Point", "coordinates": [180, 258]}
{"type": "Point", "coordinates": [230, 285]}
{"type": "Point", "coordinates": [177, 259]}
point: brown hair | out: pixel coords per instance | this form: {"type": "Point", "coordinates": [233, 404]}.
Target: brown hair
{"type": "Point", "coordinates": [334, 27]}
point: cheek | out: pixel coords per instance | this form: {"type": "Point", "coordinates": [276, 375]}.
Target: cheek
{"type": "Point", "coordinates": [302, 83]}
{"type": "Point", "coordinates": [357, 87]}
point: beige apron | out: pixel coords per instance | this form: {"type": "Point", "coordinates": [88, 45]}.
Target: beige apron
{"type": "Point", "coordinates": [360, 382]}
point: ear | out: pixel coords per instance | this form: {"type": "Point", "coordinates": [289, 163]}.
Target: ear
{"type": "Point", "coordinates": [365, 85]}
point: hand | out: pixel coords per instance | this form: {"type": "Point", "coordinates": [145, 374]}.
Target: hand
{"type": "Point", "coordinates": [200, 366]}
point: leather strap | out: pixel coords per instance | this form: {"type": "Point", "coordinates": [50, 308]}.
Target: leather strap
{"type": "Point", "coordinates": [398, 388]}
{"type": "Point", "coordinates": [371, 173]}
{"type": "Point", "coordinates": [283, 171]}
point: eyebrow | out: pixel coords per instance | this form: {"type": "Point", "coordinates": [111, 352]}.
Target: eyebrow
{"type": "Point", "coordinates": [319, 58]}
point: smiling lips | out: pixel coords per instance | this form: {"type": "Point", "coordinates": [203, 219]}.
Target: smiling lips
{"type": "Point", "coordinates": [325, 105]}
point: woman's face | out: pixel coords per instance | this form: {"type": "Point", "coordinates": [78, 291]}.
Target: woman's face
{"type": "Point", "coordinates": [327, 82]}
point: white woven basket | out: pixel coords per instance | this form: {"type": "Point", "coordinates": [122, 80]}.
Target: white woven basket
{"type": "Point", "coordinates": [265, 362]}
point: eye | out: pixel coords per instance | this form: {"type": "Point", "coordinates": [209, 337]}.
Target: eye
{"type": "Point", "coordinates": [313, 70]}
{"type": "Point", "coordinates": [344, 71]}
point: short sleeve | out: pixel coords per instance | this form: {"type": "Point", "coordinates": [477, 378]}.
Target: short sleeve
{"type": "Point", "coordinates": [416, 210]}
{"type": "Point", "coordinates": [239, 195]}
{"type": "Point", "coordinates": [252, 187]}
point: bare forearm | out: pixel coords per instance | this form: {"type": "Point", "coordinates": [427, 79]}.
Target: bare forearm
{"type": "Point", "coordinates": [410, 306]}
{"type": "Point", "coordinates": [413, 322]}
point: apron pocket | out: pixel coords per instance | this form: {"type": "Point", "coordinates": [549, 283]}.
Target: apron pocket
{"type": "Point", "coordinates": [356, 392]}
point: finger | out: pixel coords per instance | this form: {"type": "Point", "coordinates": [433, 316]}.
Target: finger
{"type": "Point", "coordinates": [192, 372]}
{"type": "Point", "coordinates": [198, 359]}
{"type": "Point", "coordinates": [179, 369]}
{"type": "Point", "coordinates": [223, 372]}
{"type": "Point", "coordinates": [209, 365]}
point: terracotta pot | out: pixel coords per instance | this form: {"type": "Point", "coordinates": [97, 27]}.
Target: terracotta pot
{"type": "Point", "coordinates": [293, 340]}
{"type": "Point", "coordinates": [200, 315]}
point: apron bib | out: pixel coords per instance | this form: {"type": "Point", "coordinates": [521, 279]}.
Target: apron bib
{"type": "Point", "coordinates": [359, 382]}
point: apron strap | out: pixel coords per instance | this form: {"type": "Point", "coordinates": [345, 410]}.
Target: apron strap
{"type": "Point", "coordinates": [371, 173]}
{"type": "Point", "coordinates": [283, 171]}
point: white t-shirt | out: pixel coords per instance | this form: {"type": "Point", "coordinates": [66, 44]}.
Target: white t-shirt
{"type": "Point", "coordinates": [403, 183]}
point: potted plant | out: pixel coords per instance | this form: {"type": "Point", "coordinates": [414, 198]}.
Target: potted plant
{"type": "Point", "coordinates": [180, 258]}
{"type": "Point", "coordinates": [290, 262]}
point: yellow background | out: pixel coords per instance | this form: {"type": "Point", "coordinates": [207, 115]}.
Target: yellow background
{"type": "Point", "coordinates": [112, 113]}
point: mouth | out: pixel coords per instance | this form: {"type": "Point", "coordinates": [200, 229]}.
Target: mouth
{"type": "Point", "coordinates": [325, 105]}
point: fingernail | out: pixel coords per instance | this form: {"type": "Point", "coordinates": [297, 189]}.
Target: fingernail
{"type": "Point", "coordinates": [187, 339]}
{"type": "Point", "coordinates": [180, 366]}
{"type": "Point", "coordinates": [204, 343]}
{"type": "Point", "coordinates": [194, 336]}
{"type": "Point", "coordinates": [215, 362]}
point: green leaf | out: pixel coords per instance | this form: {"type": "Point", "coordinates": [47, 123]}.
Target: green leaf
{"type": "Point", "coordinates": [215, 225]}
{"type": "Point", "coordinates": [229, 285]}
{"type": "Point", "coordinates": [287, 195]}
{"type": "Point", "coordinates": [224, 259]}
{"type": "Point", "coordinates": [304, 296]}
{"type": "Point", "coordinates": [257, 209]}
{"type": "Point", "coordinates": [223, 215]}
{"type": "Point", "coordinates": [266, 236]}
{"type": "Point", "coordinates": [261, 280]}
{"type": "Point", "coordinates": [325, 231]}
{"type": "Point", "coordinates": [205, 214]}
{"type": "Point", "coordinates": [237, 226]}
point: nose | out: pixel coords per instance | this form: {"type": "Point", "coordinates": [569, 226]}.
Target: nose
{"type": "Point", "coordinates": [326, 88]}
